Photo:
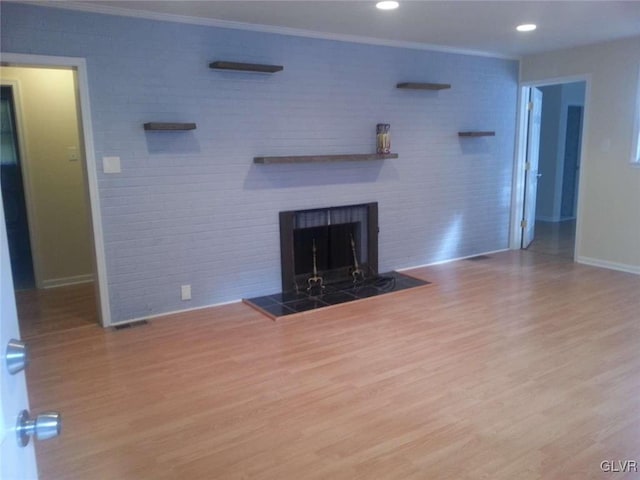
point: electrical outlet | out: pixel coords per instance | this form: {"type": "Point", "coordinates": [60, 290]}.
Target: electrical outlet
{"type": "Point", "coordinates": [185, 292]}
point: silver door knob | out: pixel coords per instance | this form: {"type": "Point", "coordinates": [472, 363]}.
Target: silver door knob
{"type": "Point", "coordinates": [16, 356]}
{"type": "Point", "coordinates": [44, 426]}
{"type": "Point", "coordinates": [539, 175]}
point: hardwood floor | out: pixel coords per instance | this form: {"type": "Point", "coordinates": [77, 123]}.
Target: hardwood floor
{"type": "Point", "coordinates": [555, 238]}
{"type": "Point", "coordinates": [56, 309]}
{"type": "Point", "coordinates": [520, 366]}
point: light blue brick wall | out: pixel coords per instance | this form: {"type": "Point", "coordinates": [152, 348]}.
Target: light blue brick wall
{"type": "Point", "coordinates": [191, 208]}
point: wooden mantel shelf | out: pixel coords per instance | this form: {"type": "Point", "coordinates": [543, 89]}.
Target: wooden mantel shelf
{"type": "Point", "coordinates": [245, 67]}
{"type": "Point", "coordinates": [324, 158]}
{"type": "Point", "coordinates": [169, 127]}
{"type": "Point", "coordinates": [476, 134]}
{"type": "Point", "coordinates": [423, 86]}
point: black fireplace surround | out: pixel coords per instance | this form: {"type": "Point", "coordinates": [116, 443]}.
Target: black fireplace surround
{"type": "Point", "coordinates": [340, 276]}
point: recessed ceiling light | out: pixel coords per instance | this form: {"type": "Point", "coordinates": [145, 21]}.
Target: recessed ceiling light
{"type": "Point", "coordinates": [387, 5]}
{"type": "Point", "coordinates": [526, 27]}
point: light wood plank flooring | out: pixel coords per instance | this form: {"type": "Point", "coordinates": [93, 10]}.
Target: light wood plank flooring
{"type": "Point", "coordinates": [56, 309]}
{"type": "Point", "coordinates": [521, 366]}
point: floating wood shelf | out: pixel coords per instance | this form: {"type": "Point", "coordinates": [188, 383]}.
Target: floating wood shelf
{"type": "Point", "coordinates": [245, 67]}
{"type": "Point", "coordinates": [423, 86]}
{"type": "Point", "coordinates": [169, 126]}
{"type": "Point", "coordinates": [476, 134]}
{"type": "Point", "coordinates": [324, 158]}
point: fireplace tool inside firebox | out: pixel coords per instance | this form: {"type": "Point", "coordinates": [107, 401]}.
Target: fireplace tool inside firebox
{"type": "Point", "coordinates": [356, 273]}
{"type": "Point", "coordinates": [315, 282]}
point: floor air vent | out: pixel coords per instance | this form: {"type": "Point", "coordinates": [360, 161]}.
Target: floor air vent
{"type": "Point", "coordinates": [139, 323]}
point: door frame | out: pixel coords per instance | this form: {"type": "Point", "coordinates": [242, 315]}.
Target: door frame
{"type": "Point", "coordinates": [80, 65]}
{"type": "Point", "coordinates": [522, 124]}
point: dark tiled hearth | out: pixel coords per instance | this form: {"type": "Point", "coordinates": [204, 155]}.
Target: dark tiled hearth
{"type": "Point", "coordinates": [288, 303]}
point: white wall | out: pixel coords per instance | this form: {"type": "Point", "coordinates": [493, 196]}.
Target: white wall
{"type": "Point", "coordinates": [609, 203]}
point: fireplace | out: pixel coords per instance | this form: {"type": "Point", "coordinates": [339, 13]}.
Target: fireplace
{"type": "Point", "coordinates": [343, 242]}
{"type": "Point", "coordinates": [346, 261]}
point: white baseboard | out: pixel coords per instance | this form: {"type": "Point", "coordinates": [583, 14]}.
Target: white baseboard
{"type": "Point", "coordinates": [61, 282]}
{"type": "Point", "coordinates": [621, 267]}
{"type": "Point", "coordinates": [441, 262]}
{"type": "Point", "coordinates": [185, 310]}
{"type": "Point", "coordinates": [173, 312]}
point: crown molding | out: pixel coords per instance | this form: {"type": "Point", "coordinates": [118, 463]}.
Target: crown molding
{"type": "Point", "coordinates": [295, 32]}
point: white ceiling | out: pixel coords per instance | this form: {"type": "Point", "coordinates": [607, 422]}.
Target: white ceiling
{"type": "Point", "coordinates": [477, 26]}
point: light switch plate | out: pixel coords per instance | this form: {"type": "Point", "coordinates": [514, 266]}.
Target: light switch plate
{"type": "Point", "coordinates": [111, 164]}
{"type": "Point", "coordinates": [72, 154]}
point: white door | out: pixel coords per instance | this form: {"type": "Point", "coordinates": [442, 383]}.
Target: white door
{"type": "Point", "coordinates": [531, 168]}
{"type": "Point", "coordinates": [16, 463]}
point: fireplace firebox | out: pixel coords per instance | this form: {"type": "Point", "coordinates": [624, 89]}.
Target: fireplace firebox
{"type": "Point", "coordinates": [333, 244]}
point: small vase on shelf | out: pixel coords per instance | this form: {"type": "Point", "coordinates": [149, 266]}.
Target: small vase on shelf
{"type": "Point", "coordinates": [383, 138]}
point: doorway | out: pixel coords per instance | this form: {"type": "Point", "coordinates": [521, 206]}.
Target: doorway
{"type": "Point", "coordinates": [552, 122]}
{"type": "Point", "coordinates": [46, 194]}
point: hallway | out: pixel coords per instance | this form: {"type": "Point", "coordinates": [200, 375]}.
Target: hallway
{"type": "Point", "coordinates": [555, 238]}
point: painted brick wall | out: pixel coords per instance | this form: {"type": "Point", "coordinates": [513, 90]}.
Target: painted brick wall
{"type": "Point", "coordinates": [191, 208]}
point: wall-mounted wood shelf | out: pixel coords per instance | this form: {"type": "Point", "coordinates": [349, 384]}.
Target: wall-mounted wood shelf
{"type": "Point", "coordinates": [245, 67]}
{"type": "Point", "coordinates": [324, 158]}
{"type": "Point", "coordinates": [423, 86]}
{"type": "Point", "coordinates": [171, 127]}
{"type": "Point", "coordinates": [476, 134]}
